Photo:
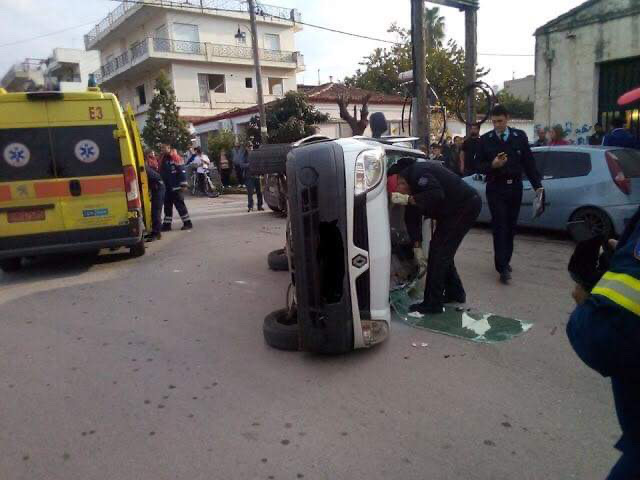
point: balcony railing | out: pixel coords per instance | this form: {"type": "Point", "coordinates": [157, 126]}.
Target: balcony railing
{"type": "Point", "coordinates": [212, 6]}
{"type": "Point", "coordinates": [166, 45]}
{"type": "Point", "coordinates": [208, 51]}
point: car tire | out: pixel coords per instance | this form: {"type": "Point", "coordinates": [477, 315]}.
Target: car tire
{"type": "Point", "coordinates": [10, 265]}
{"type": "Point", "coordinates": [278, 260]}
{"type": "Point", "coordinates": [274, 208]}
{"type": "Point", "coordinates": [269, 159]}
{"type": "Point", "coordinates": [138, 249]}
{"type": "Point", "coordinates": [278, 333]}
{"type": "Point", "coordinates": [598, 221]}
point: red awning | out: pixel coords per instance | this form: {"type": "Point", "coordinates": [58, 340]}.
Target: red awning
{"type": "Point", "coordinates": [629, 97]}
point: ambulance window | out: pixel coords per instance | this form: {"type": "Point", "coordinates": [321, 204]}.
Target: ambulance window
{"type": "Point", "coordinates": [86, 151]}
{"type": "Point", "coordinates": [25, 154]}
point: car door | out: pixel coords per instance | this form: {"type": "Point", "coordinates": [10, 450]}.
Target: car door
{"type": "Point", "coordinates": [565, 177]}
{"type": "Point", "coordinates": [478, 183]}
{"type": "Point", "coordinates": [30, 194]}
{"type": "Point", "coordinates": [528, 193]}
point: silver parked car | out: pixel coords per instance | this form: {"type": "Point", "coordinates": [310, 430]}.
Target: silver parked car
{"type": "Point", "coordinates": [597, 185]}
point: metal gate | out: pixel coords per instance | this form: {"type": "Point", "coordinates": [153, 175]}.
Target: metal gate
{"type": "Point", "coordinates": [617, 78]}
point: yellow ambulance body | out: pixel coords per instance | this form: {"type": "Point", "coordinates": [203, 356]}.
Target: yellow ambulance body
{"type": "Point", "coordinates": [72, 175]}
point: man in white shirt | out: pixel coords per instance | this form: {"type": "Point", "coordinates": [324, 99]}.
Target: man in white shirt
{"type": "Point", "coordinates": [203, 163]}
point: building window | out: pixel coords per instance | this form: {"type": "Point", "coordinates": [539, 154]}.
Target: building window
{"type": "Point", "coordinates": [248, 82]}
{"type": "Point", "coordinates": [271, 41]}
{"type": "Point", "coordinates": [276, 86]}
{"type": "Point", "coordinates": [142, 96]}
{"type": "Point", "coordinates": [217, 84]}
{"type": "Point", "coordinates": [208, 84]}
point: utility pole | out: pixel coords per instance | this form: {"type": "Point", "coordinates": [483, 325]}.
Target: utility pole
{"type": "Point", "coordinates": [419, 42]}
{"type": "Point", "coordinates": [256, 61]}
{"type": "Point", "coordinates": [470, 62]}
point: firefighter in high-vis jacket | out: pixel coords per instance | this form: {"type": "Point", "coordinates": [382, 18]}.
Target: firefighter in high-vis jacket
{"type": "Point", "coordinates": [604, 330]}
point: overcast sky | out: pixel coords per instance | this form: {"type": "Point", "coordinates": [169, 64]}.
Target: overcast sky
{"type": "Point", "coordinates": [505, 27]}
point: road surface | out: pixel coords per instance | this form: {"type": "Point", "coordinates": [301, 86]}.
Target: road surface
{"type": "Point", "coordinates": [155, 368]}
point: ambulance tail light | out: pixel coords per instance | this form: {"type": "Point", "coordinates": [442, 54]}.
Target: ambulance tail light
{"type": "Point", "coordinates": [131, 188]}
{"type": "Point", "coordinates": [617, 174]}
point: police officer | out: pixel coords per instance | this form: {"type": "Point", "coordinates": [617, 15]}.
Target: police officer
{"type": "Point", "coordinates": [503, 155]}
{"type": "Point", "coordinates": [175, 179]}
{"type": "Point", "coordinates": [157, 191]}
{"type": "Point", "coordinates": [432, 191]}
{"type": "Point", "coordinates": [604, 330]}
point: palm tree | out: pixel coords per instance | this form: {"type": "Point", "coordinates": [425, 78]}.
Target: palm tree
{"type": "Point", "coordinates": [435, 27]}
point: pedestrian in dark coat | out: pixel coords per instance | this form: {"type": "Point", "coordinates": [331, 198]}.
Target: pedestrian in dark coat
{"type": "Point", "coordinates": [429, 190]}
{"type": "Point", "coordinates": [157, 192]}
{"type": "Point", "coordinates": [175, 180]}
{"type": "Point", "coordinates": [504, 155]}
{"type": "Point", "coordinates": [619, 136]}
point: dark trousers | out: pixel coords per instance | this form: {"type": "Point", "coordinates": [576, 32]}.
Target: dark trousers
{"type": "Point", "coordinates": [253, 184]}
{"type": "Point", "coordinates": [157, 200]}
{"type": "Point", "coordinates": [171, 199]}
{"type": "Point", "coordinates": [627, 468]}
{"type": "Point", "coordinates": [225, 176]}
{"type": "Point", "coordinates": [504, 202]}
{"type": "Point", "coordinates": [240, 176]}
{"type": "Point", "coordinates": [443, 280]}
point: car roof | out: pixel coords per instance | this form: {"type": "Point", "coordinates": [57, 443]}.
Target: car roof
{"type": "Point", "coordinates": [574, 148]}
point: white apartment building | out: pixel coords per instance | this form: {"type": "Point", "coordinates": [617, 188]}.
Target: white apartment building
{"type": "Point", "coordinates": [68, 69]}
{"type": "Point", "coordinates": [204, 48]}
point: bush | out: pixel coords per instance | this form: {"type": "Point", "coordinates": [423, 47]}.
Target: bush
{"type": "Point", "coordinates": [222, 141]}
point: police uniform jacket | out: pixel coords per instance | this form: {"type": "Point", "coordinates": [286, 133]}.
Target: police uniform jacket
{"type": "Point", "coordinates": [519, 158]}
{"type": "Point", "coordinates": [437, 191]}
{"type": "Point", "coordinates": [173, 175]}
{"type": "Point", "coordinates": [605, 333]}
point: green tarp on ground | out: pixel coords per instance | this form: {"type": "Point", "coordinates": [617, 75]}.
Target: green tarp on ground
{"type": "Point", "coordinates": [458, 322]}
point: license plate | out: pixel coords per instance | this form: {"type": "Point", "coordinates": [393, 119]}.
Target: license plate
{"type": "Point", "coordinates": [25, 216]}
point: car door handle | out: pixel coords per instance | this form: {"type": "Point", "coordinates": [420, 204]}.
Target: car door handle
{"type": "Point", "coordinates": [75, 188]}
{"type": "Point", "coordinates": [527, 188]}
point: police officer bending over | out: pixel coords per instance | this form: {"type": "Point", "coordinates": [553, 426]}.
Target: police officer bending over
{"type": "Point", "coordinates": [604, 330]}
{"type": "Point", "coordinates": [503, 155]}
{"type": "Point", "coordinates": [431, 191]}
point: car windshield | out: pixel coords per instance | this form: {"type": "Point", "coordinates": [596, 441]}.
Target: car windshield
{"type": "Point", "coordinates": [629, 161]}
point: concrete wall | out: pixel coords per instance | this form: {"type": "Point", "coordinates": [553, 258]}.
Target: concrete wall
{"type": "Point", "coordinates": [88, 62]}
{"type": "Point", "coordinates": [567, 65]}
{"type": "Point", "coordinates": [185, 81]}
{"type": "Point", "coordinates": [521, 88]}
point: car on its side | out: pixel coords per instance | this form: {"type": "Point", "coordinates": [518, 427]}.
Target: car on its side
{"type": "Point", "coordinates": [339, 244]}
{"type": "Point", "coordinates": [599, 186]}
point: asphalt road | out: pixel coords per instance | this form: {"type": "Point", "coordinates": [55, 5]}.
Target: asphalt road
{"type": "Point", "coordinates": [155, 368]}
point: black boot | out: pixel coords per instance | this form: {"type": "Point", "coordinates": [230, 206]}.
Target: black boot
{"type": "Point", "coordinates": [166, 227]}
{"type": "Point", "coordinates": [187, 225]}
{"type": "Point", "coordinates": [427, 309]}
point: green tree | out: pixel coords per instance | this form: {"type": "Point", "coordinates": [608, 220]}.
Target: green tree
{"type": "Point", "coordinates": [222, 141]}
{"type": "Point", "coordinates": [164, 125]}
{"type": "Point", "coordinates": [288, 119]}
{"type": "Point", "coordinates": [435, 27]}
{"type": "Point", "coordinates": [517, 108]}
{"type": "Point", "coordinates": [445, 69]}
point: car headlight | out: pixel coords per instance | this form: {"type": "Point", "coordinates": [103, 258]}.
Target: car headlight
{"type": "Point", "coordinates": [369, 170]}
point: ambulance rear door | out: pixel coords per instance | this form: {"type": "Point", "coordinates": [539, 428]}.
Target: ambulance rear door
{"type": "Point", "coordinates": [86, 149]}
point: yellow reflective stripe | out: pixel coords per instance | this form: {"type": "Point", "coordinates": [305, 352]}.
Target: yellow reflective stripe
{"type": "Point", "coordinates": [615, 297]}
{"type": "Point", "coordinates": [628, 280]}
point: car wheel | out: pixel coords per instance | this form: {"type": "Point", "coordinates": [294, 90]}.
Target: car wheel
{"type": "Point", "coordinates": [596, 220]}
{"type": "Point", "coordinates": [280, 331]}
{"type": "Point", "coordinates": [11, 264]}
{"type": "Point", "coordinates": [274, 208]}
{"type": "Point", "coordinates": [278, 260]}
{"type": "Point", "coordinates": [269, 159]}
{"type": "Point", "coordinates": [138, 249]}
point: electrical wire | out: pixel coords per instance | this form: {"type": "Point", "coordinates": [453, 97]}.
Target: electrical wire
{"type": "Point", "coordinates": [320, 27]}
{"type": "Point", "coordinates": [490, 97]}
{"type": "Point", "coordinates": [17, 42]}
